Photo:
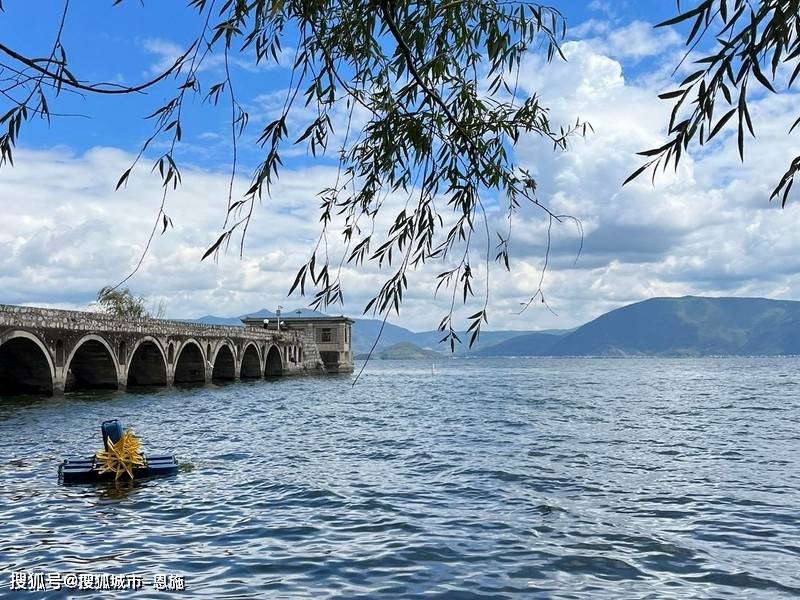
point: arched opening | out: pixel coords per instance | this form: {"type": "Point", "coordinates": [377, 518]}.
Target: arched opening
{"type": "Point", "coordinates": [190, 367]}
{"type": "Point", "coordinates": [24, 368]}
{"type": "Point", "coordinates": [147, 366]}
{"type": "Point", "coordinates": [91, 368]}
{"type": "Point", "coordinates": [274, 366]}
{"type": "Point", "coordinates": [224, 365]}
{"type": "Point", "coordinates": [251, 365]}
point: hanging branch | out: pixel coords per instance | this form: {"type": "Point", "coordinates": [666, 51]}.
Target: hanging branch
{"type": "Point", "coordinates": [438, 83]}
{"type": "Point", "coordinates": [754, 43]}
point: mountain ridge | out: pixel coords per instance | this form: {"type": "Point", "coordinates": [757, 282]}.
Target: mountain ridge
{"type": "Point", "coordinates": [365, 332]}
{"type": "Point", "coordinates": [661, 326]}
{"type": "Point", "coordinates": [684, 326]}
{"type": "Point", "coordinates": [403, 351]}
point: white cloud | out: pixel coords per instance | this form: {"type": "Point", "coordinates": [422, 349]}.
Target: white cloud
{"type": "Point", "coordinates": [603, 6]}
{"type": "Point", "coordinates": [167, 52]}
{"type": "Point", "coordinates": [706, 229]}
{"type": "Point", "coordinates": [73, 234]}
{"type": "Point", "coordinates": [630, 43]}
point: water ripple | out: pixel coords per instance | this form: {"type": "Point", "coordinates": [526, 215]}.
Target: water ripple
{"type": "Point", "coordinates": [562, 478]}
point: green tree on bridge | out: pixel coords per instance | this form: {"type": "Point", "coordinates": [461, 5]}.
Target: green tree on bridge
{"type": "Point", "coordinates": [122, 303]}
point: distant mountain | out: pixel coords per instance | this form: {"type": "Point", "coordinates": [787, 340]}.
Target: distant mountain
{"type": "Point", "coordinates": [531, 344]}
{"type": "Point", "coordinates": [365, 331]}
{"type": "Point", "coordinates": [260, 314]}
{"type": "Point", "coordinates": [688, 326]}
{"type": "Point", "coordinates": [403, 351]}
{"type": "Point", "coordinates": [432, 339]}
{"type": "Point", "coordinates": [212, 320]}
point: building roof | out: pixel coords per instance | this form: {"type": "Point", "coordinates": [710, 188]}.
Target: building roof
{"type": "Point", "coordinates": [299, 320]}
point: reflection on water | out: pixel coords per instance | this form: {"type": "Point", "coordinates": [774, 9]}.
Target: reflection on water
{"type": "Point", "coordinates": [116, 490]}
{"type": "Point", "coordinates": [503, 478]}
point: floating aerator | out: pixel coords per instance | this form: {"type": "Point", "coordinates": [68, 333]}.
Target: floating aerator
{"type": "Point", "coordinates": [120, 459]}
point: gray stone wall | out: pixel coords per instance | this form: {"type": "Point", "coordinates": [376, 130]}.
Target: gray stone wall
{"type": "Point", "coordinates": [62, 334]}
{"type": "Point", "coordinates": [34, 317]}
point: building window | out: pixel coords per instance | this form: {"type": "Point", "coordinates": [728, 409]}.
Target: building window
{"type": "Point", "coordinates": [326, 335]}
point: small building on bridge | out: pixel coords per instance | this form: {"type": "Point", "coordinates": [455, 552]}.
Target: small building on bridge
{"type": "Point", "coordinates": [332, 336]}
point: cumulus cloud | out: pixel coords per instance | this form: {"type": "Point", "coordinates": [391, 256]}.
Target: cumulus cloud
{"type": "Point", "coordinates": [166, 52]}
{"type": "Point", "coordinates": [73, 234]}
{"type": "Point", "coordinates": [603, 6]}
{"type": "Point", "coordinates": [632, 42]}
{"type": "Point", "coordinates": [705, 229]}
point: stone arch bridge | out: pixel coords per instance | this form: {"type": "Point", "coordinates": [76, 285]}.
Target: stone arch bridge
{"type": "Point", "coordinates": [46, 351]}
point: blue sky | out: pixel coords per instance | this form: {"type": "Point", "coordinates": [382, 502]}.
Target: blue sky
{"type": "Point", "coordinates": [706, 229]}
{"type": "Point", "coordinates": [126, 43]}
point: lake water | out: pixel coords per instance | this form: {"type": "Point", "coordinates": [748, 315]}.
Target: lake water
{"type": "Point", "coordinates": [556, 478]}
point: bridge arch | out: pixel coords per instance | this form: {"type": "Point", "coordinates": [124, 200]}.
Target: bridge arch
{"type": "Point", "coordinates": [190, 366]}
{"type": "Point", "coordinates": [148, 363]}
{"type": "Point", "coordinates": [91, 365]}
{"type": "Point", "coordinates": [251, 362]}
{"type": "Point", "coordinates": [224, 363]}
{"type": "Point", "coordinates": [26, 366]}
{"type": "Point", "coordinates": [274, 363]}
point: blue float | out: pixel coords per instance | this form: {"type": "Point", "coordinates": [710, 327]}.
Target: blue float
{"type": "Point", "coordinates": [96, 468]}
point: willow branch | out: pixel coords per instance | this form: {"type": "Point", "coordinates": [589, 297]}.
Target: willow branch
{"type": "Point", "coordinates": [95, 88]}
